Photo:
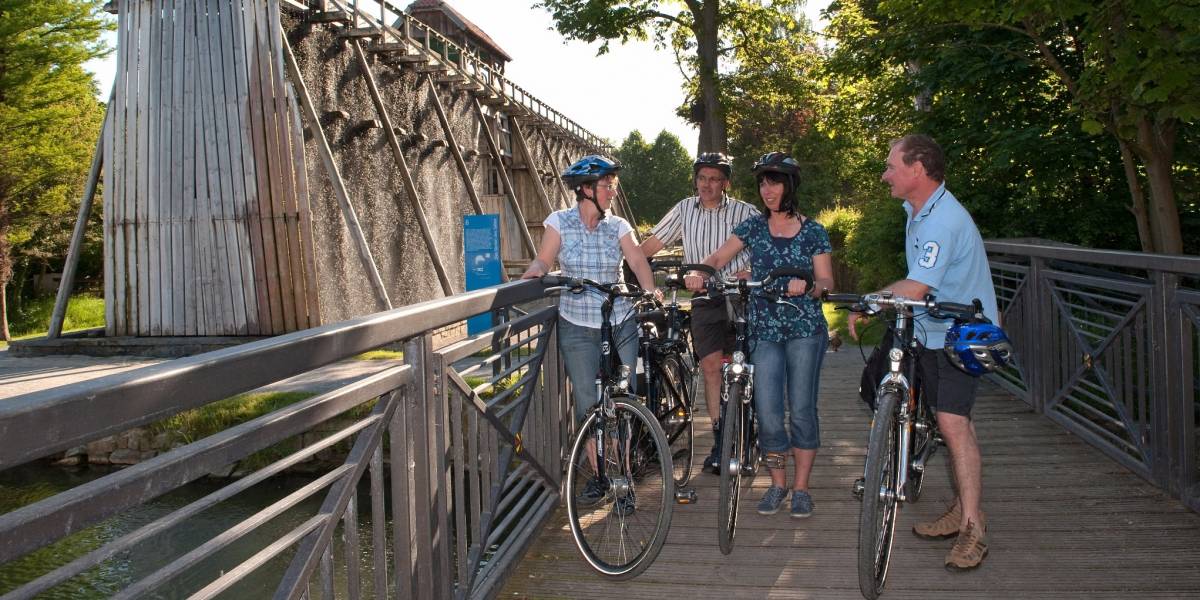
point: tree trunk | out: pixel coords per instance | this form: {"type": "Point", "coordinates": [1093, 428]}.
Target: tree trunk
{"type": "Point", "coordinates": [4, 334]}
{"type": "Point", "coordinates": [713, 136]}
{"type": "Point", "coordinates": [1156, 148]}
{"type": "Point", "coordinates": [1137, 195]}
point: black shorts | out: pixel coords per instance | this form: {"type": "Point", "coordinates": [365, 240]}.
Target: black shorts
{"type": "Point", "coordinates": [711, 329]}
{"type": "Point", "coordinates": [947, 389]}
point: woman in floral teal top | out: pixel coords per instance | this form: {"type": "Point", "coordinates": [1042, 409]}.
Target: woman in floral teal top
{"type": "Point", "coordinates": [788, 345]}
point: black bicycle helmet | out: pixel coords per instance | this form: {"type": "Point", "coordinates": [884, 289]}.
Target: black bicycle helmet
{"type": "Point", "coordinates": [778, 162]}
{"type": "Point", "coordinates": [716, 160]}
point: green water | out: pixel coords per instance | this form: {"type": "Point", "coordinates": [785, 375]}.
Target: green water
{"type": "Point", "coordinates": [25, 485]}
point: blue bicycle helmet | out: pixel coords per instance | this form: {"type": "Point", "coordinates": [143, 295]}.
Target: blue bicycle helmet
{"type": "Point", "coordinates": [588, 169]}
{"type": "Point", "coordinates": [977, 348]}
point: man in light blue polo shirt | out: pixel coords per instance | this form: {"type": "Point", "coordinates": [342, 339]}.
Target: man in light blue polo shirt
{"type": "Point", "coordinates": [946, 258]}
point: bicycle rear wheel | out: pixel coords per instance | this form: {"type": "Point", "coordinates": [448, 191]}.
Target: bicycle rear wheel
{"type": "Point", "coordinates": [877, 521]}
{"type": "Point", "coordinates": [620, 509]}
{"type": "Point", "coordinates": [732, 453]}
{"type": "Point", "coordinates": [672, 408]}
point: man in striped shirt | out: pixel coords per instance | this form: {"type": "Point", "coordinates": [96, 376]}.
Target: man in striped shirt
{"type": "Point", "coordinates": [704, 222]}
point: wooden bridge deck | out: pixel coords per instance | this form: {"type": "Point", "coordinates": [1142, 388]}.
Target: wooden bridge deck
{"type": "Point", "coordinates": [1064, 521]}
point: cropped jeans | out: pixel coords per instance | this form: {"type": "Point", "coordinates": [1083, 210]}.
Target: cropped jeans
{"type": "Point", "coordinates": [786, 376]}
{"type": "Point", "coordinates": [580, 350]}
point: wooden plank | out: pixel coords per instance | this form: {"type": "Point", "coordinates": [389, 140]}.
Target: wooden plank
{"type": "Point", "coordinates": [303, 208]}
{"type": "Point", "coordinates": [179, 282]}
{"type": "Point", "coordinates": [258, 312]}
{"type": "Point", "coordinates": [410, 187]}
{"type": "Point", "coordinates": [514, 204]}
{"type": "Point", "coordinates": [260, 76]}
{"type": "Point", "coordinates": [339, 186]}
{"type": "Point", "coordinates": [285, 202]}
{"type": "Point", "coordinates": [142, 199]}
{"type": "Point", "coordinates": [222, 313]}
{"type": "Point", "coordinates": [260, 194]}
{"type": "Point", "coordinates": [122, 183]}
{"type": "Point", "coordinates": [152, 63]}
{"type": "Point", "coordinates": [228, 27]}
{"type": "Point", "coordinates": [112, 178]}
{"type": "Point", "coordinates": [193, 287]}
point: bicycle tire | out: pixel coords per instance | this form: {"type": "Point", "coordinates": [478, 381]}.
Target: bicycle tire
{"type": "Point", "coordinates": [621, 546]}
{"type": "Point", "coordinates": [877, 521]}
{"type": "Point", "coordinates": [672, 408]}
{"type": "Point", "coordinates": [732, 445]}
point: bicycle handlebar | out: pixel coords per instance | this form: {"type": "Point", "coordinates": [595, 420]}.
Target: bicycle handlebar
{"type": "Point", "coordinates": [577, 284]}
{"type": "Point", "coordinates": [874, 302]}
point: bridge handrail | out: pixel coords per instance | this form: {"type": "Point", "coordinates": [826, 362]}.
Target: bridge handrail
{"type": "Point", "coordinates": [460, 470]}
{"type": "Point", "coordinates": [1174, 263]}
{"type": "Point", "coordinates": [84, 411]}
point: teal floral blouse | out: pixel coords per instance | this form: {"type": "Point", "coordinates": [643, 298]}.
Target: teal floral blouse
{"type": "Point", "coordinates": [777, 322]}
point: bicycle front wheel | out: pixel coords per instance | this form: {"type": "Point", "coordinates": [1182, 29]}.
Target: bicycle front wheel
{"type": "Point", "coordinates": [733, 440]}
{"type": "Point", "coordinates": [877, 522]}
{"type": "Point", "coordinates": [620, 507]}
{"type": "Point", "coordinates": [672, 407]}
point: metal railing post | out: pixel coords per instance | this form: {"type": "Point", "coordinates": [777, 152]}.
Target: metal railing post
{"type": "Point", "coordinates": [1037, 334]}
{"type": "Point", "coordinates": [1168, 403]}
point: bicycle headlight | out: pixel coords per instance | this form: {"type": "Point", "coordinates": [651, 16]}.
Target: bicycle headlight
{"type": "Point", "coordinates": [737, 368]}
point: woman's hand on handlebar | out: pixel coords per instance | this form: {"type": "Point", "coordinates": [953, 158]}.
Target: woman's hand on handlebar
{"type": "Point", "coordinates": [796, 287]}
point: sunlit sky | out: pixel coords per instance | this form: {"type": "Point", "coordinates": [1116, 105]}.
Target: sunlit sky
{"type": "Point", "coordinates": [632, 87]}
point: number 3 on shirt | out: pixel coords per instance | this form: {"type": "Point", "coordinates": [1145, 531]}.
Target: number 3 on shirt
{"type": "Point", "coordinates": [931, 254]}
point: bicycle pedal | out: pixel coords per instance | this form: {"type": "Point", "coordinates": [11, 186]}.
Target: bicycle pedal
{"type": "Point", "coordinates": [686, 496]}
{"type": "Point", "coordinates": [859, 487]}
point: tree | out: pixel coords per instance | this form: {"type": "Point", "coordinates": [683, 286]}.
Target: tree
{"type": "Point", "coordinates": [656, 176]}
{"type": "Point", "coordinates": [1126, 68]}
{"type": "Point", "coordinates": [701, 34]}
{"type": "Point", "coordinates": [49, 119]}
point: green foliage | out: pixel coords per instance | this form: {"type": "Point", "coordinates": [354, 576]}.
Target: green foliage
{"type": "Point", "coordinates": [49, 119]}
{"type": "Point", "coordinates": [84, 311]}
{"type": "Point", "coordinates": [656, 176]}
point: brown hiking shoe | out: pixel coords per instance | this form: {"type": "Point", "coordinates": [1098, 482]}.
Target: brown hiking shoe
{"type": "Point", "coordinates": [944, 527]}
{"type": "Point", "coordinates": [969, 549]}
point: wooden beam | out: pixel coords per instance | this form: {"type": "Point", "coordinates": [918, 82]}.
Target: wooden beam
{"type": "Point", "coordinates": [527, 156]}
{"type": "Point", "coordinates": [67, 283]}
{"type": "Point", "coordinates": [339, 186]}
{"type": "Point", "coordinates": [410, 186]}
{"type": "Point", "coordinates": [508, 187]}
{"type": "Point", "coordinates": [455, 151]}
{"type": "Point", "coordinates": [566, 194]}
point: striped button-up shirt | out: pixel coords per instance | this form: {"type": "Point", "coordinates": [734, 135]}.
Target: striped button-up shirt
{"type": "Point", "coordinates": [591, 254]}
{"type": "Point", "coordinates": [703, 230]}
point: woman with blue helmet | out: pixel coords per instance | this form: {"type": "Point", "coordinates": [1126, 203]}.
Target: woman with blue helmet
{"type": "Point", "coordinates": [590, 243]}
{"type": "Point", "coordinates": [788, 345]}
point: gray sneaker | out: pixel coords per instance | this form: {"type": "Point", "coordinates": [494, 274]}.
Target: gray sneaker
{"type": "Point", "coordinates": [802, 504]}
{"type": "Point", "coordinates": [771, 500]}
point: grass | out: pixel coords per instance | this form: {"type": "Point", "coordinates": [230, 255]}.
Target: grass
{"type": "Point", "coordinates": [84, 311]}
{"type": "Point", "coordinates": [380, 355]}
{"type": "Point", "coordinates": [214, 418]}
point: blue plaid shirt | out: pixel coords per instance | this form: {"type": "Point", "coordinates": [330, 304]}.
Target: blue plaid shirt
{"type": "Point", "coordinates": [595, 255]}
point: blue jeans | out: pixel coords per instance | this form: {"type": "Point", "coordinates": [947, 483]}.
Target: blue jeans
{"type": "Point", "coordinates": [580, 350]}
{"type": "Point", "coordinates": [786, 377]}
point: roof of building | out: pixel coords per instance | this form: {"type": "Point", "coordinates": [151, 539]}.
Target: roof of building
{"type": "Point", "coordinates": [461, 21]}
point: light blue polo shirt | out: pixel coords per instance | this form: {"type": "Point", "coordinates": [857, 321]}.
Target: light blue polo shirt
{"type": "Point", "coordinates": [946, 253]}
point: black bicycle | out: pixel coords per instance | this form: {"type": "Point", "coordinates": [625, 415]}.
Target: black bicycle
{"type": "Point", "coordinates": [669, 366]}
{"type": "Point", "coordinates": [740, 453]}
{"type": "Point", "coordinates": [904, 433]}
{"type": "Point", "coordinates": [620, 490]}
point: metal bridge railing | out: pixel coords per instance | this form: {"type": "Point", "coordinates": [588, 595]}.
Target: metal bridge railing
{"type": "Point", "coordinates": [472, 447]}
{"type": "Point", "coordinates": [1108, 346]}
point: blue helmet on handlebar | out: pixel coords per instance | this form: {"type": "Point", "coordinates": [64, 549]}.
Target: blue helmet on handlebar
{"type": "Point", "coordinates": [977, 348]}
{"type": "Point", "coordinates": [588, 169]}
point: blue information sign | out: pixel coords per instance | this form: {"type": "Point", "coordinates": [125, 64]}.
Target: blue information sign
{"type": "Point", "coordinates": [481, 260]}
